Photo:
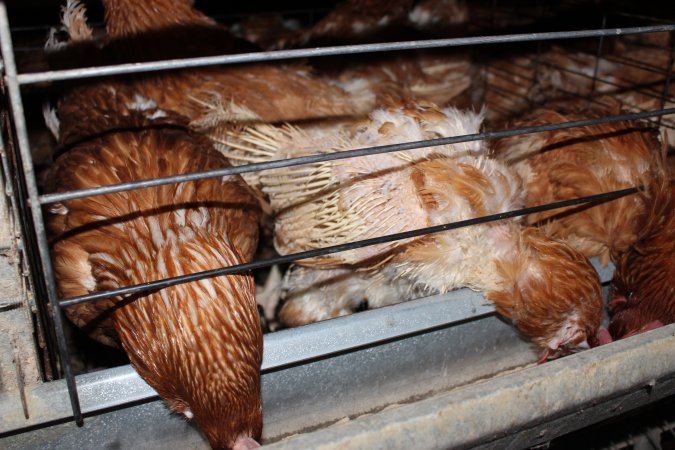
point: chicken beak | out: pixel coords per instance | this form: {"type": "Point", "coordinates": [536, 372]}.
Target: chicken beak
{"type": "Point", "coordinates": [603, 336]}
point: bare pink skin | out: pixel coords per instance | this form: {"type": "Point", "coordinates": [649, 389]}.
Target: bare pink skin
{"type": "Point", "coordinates": [604, 337]}
{"type": "Point", "coordinates": [245, 443]}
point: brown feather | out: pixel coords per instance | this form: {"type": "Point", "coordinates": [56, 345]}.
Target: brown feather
{"type": "Point", "coordinates": [570, 163]}
{"type": "Point", "coordinates": [564, 274]}
{"type": "Point", "coordinates": [198, 344]}
{"type": "Point", "coordinates": [644, 278]}
{"type": "Point", "coordinates": [207, 97]}
{"type": "Point", "coordinates": [128, 17]}
{"type": "Point", "coordinates": [353, 20]}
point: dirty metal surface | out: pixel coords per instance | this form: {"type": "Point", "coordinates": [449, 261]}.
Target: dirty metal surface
{"type": "Point", "coordinates": [368, 346]}
{"type": "Point", "coordinates": [539, 403]}
{"type": "Point", "coordinates": [322, 373]}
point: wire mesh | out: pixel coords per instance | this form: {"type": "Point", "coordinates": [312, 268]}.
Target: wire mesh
{"type": "Point", "coordinates": [15, 81]}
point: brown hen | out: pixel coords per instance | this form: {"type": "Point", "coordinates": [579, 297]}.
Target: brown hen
{"type": "Point", "coordinates": [635, 231]}
{"type": "Point", "coordinates": [575, 162]}
{"type": "Point", "coordinates": [632, 72]}
{"type": "Point", "coordinates": [359, 21]}
{"type": "Point", "coordinates": [208, 96]}
{"type": "Point", "coordinates": [198, 344]}
{"type": "Point", "coordinates": [352, 21]}
{"type": "Point", "coordinates": [644, 279]}
{"type": "Point", "coordinates": [546, 288]}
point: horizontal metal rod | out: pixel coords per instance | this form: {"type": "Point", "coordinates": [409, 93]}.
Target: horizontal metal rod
{"type": "Point", "coordinates": [130, 68]}
{"type": "Point", "coordinates": [160, 284]}
{"type": "Point", "coordinates": [310, 159]}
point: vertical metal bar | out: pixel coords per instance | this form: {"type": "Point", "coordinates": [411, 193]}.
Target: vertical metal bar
{"type": "Point", "coordinates": [535, 77]}
{"type": "Point", "coordinates": [598, 55]}
{"type": "Point", "coordinates": [669, 74]}
{"type": "Point", "coordinates": [34, 204]}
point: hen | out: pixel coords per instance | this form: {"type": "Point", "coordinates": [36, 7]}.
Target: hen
{"type": "Point", "coordinates": [644, 279]}
{"type": "Point", "coordinates": [352, 21]}
{"type": "Point", "coordinates": [547, 289]}
{"type": "Point", "coordinates": [576, 162]}
{"type": "Point", "coordinates": [209, 96]}
{"type": "Point", "coordinates": [359, 21]}
{"type": "Point", "coordinates": [199, 344]}
{"type": "Point", "coordinates": [634, 231]}
{"type": "Point", "coordinates": [439, 77]}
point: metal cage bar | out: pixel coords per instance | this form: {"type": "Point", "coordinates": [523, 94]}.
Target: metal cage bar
{"type": "Point", "coordinates": [16, 104]}
{"type": "Point", "coordinates": [26, 259]}
{"type": "Point", "coordinates": [310, 159]}
{"type": "Point", "coordinates": [130, 68]}
{"type": "Point", "coordinates": [15, 81]}
{"type": "Point", "coordinates": [166, 282]}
